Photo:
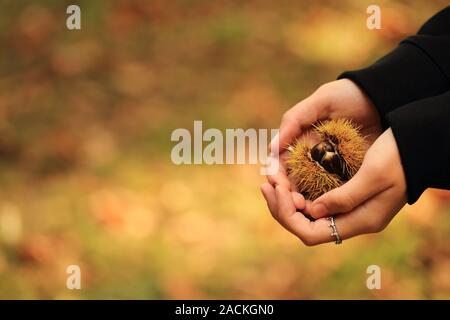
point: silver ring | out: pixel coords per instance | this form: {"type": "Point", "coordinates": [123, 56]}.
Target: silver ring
{"type": "Point", "coordinates": [334, 233]}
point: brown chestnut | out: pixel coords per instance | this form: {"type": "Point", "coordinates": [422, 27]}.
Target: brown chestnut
{"type": "Point", "coordinates": [325, 154]}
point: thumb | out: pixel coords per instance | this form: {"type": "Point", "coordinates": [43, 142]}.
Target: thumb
{"type": "Point", "coordinates": [364, 185]}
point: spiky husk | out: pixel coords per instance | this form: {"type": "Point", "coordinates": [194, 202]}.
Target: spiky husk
{"type": "Point", "coordinates": [310, 178]}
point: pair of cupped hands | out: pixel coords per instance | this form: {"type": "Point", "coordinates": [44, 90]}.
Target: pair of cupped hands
{"type": "Point", "coordinates": [364, 204]}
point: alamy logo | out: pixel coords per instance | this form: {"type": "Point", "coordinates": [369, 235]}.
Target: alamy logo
{"type": "Point", "coordinates": [73, 21]}
{"type": "Point", "coordinates": [374, 20]}
{"type": "Point", "coordinates": [74, 279]}
{"type": "Point", "coordinates": [374, 280]}
{"type": "Point", "coordinates": [236, 146]}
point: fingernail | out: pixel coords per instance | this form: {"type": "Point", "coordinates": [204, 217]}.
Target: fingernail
{"type": "Point", "coordinates": [320, 210]}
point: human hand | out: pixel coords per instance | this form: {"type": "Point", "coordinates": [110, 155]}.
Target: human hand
{"type": "Point", "coordinates": [364, 204]}
{"type": "Point", "coordinates": [337, 99]}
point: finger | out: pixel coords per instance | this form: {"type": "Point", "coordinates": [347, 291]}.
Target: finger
{"type": "Point", "coordinates": [280, 177]}
{"type": "Point", "coordinates": [288, 217]}
{"type": "Point", "coordinates": [373, 216]}
{"type": "Point", "coordinates": [364, 185]}
{"type": "Point", "coordinates": [269, 194]}
{"type": "Point", "coordinates": [308, 209]}
{"type": "Point", "coordinates": [348, 225]}
{"type": "Point", "coordinates": [362, 220]}
{"type": "Point", "coordinates": [299, 200]}
{"type": "Point", "coordinates": [301, 116]}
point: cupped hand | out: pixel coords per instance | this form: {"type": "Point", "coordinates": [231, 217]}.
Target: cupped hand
{"type": "Point", "coordinates": [337, 99]}
{"type": "Point", "coordinates": [364, 204]}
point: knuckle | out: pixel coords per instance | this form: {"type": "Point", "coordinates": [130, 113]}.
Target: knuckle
{"type": "Point", "coordinates": [346, 202]}
{"type": "Point", "coordinates": [381, 177]}
{"type": "Point", "coordinates": [376, 173]}
{"type": "Point", "coordinates": [323, 88]}
{"type": "Point", "coordinates": [308, 240]}
{"type": "Point", "coordinates": [376, 229]}
{"type": "Point", "coordinates": [376, 224]}
{"type": "Point", "coordinates": [308, 243]}
{"type": "Point", "coordinates": [286, 117]}
{"type": "Point", "coordinates": [323, 91]}
{"type": "Point", "coordinates": [272, 179]}
{"type": "Point", "coordinates": [274, 214]}
{"type": "Point", "coordinates": [375, 168]}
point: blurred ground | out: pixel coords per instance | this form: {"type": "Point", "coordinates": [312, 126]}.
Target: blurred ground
{"type": "Point", "coordinates": [85, 171]}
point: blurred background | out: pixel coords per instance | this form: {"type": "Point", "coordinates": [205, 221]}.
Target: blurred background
{"type": "Point", "coordinates": [85, 170]}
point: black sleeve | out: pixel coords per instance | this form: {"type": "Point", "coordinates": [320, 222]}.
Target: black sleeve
{"type": "Point", "coordinates": [422, 132]}
{"type": "Point", "coordinates": [410, 88]}
{"type": "Point", "coordinates": [418, 68]}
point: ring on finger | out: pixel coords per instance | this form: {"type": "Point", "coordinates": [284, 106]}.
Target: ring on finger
{"type": "Point", "coordinates": [334, 233]}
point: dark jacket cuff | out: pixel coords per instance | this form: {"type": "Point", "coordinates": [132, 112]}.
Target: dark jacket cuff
{"type": "Point", "coordinates": [421, 131]}
{"type": "Point", "coordinates": [404, 75]}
